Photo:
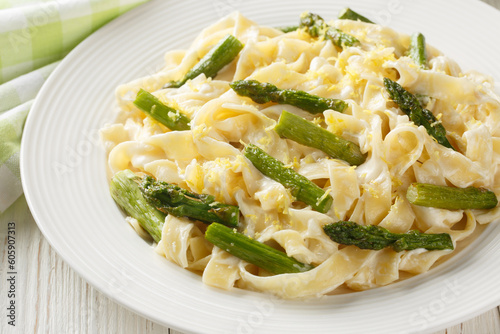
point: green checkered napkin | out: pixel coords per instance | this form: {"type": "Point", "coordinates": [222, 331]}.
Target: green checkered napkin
{"type": "Point", "coordinates": [34, 36]}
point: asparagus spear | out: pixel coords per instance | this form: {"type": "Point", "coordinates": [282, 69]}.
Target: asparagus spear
{"type": "Point", "coordinates": [219, 56]}
{"type": "Point", "coordinates": [288, 28]}
{"type": "Point", "coordinates": [376, 237]}
{"type": "Point", "coordinates": [416, 239]}
{"type": "Point", "coordinates": [179, 202]}
{"type": "Point", "coordinates": [410, 105]}
{"type": "Point", "coordinates": [306, 133]}
{"type": "Point", "coordinates": [266, 92]}
{"type": "Point", "coordinates": [301, 188]}
{"type": "Point", "coordinates": [417, 50]}
{"type": "Point", "coordinates": [125, 191]}
{"type": "Point", "coordinates": [252, 251]}
{"type": "Point", "coordinates": [167, 116]}
{"type": "Point", "coordinates": [450, 198]}
{"type": "Point", "coordinates": [316, 26]}
{"type": "Point", "coordinates": [348, 14]}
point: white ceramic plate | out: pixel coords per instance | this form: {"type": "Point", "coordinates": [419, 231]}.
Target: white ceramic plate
{"type": "Point", "coordinates": [65, 182]}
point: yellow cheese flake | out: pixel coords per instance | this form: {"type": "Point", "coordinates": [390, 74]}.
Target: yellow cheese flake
{"type": "Point", "coordinates": [277, 224]}
{"type": "Point", "coordinates": [212, 176]}
{"type": "Point", "coordinates": [201, 130]}
{"type": "Point", "coordinates": [311, 75]}
{"type": "Point", "coordinates": [239, 161]}
{"type": "Point", "coordinates": [282, 204]}
{"type": "Point", "coordinates": [335, 125]}
{"type": "Point", "coordinates": [342, 63]}
{"type": "Point", "coordinates": [371, 190]}
{"type": "Point", "coordinates": [192, 86]}
{"type": "Point", "coordinates": [251, 216]}
{"type": "Point", "coordinates": [317, 120]}
{"type": "Point", "coordinates": [265, 141]}
{"type": "Point", "coordinates": [336, 211]}
{"type": "Point", "coordinates": [396, 182]}
{"type": "Point", "coordinates": [223, 162]}
{"type": "Point", "coordinates": [353, 75]}
{"type": "Point", "coordinates": [327, 192]}
{"type": "Point", "coordinates": [332, 87]}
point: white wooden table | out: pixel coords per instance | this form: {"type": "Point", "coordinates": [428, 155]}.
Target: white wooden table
{"type": "Point", "coordinates": [52, 298]}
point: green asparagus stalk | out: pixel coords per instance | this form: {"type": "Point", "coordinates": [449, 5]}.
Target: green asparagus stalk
{"type": "Point", "coordinates": [314, 24]}
{"type": "Point", "coordinates": [288, 28]}
{"type": "Point", "coordinates": [167, 116]}
{"type": "Point", "coordinates": [410, 105]}
{"type": "Point", "coordinates": [417, 50]}
{"type": "Point", "coordinates": [301, 188]}
{"type": "Point", "coordinates": [450, 198]}
{"type": "Point", "coordinates": [179, 202]}
{"type": "Point", "coordinates": [376, 237]}
{"type": "Point", "coordinates": [306, 133]}
{"type": "Point", "coordinates": [266, 92]}
{"type": "Point", "coordinates": [416, 239]}
{"type": "Point", "coordinates": [252, 251]}
{"type": "Point", "coordinates": [349, 14]}
{"type": "Point", "coordinates": [316, 27]}
{"type": "Point", "coordinates": [125, 191]}
{"type": "Point", "coordinates": [219, 56]}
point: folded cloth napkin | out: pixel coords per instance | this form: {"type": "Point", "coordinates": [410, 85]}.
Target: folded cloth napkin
{"type": "Point", "coordinates": [34, 36]}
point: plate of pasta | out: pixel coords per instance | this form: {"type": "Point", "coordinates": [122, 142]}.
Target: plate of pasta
{"type": "Point", "coordinates": [270, 167]}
